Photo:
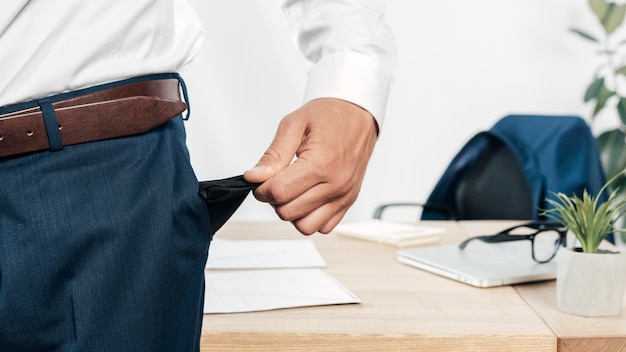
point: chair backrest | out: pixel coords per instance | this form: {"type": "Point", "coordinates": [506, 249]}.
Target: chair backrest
{"type": "Point", "coordinates": [509, 170]}
{"type": "Point", "coordinates": [494, 188]}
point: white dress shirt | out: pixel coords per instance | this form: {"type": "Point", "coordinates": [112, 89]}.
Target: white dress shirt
{"type": "Point", "coordinates": [49, 47]}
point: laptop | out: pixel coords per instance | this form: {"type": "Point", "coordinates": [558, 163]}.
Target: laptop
{"type": "Point", "coordinates": [481, 264]}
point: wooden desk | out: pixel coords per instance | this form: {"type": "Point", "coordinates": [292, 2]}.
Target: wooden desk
{"type": "Point", "coordinates": [406, 309]}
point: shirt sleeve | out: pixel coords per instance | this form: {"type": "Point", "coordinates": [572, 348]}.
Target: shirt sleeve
{"type": "Point", "coordinates": [350, 47]}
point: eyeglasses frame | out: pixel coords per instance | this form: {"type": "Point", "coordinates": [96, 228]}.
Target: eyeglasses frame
{"type": "Point", "coordinates": [539, 226]}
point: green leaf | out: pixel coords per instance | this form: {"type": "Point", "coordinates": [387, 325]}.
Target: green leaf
{"type": "Point", "coordinates": [621, 110]}
{"type": "Point", "coordinates": [612, 152]}
{"type": "Point", "coordinates": [621, 71]}
{"type": "Point", "coordinates": [599, 7]}
{"type": "Point", "coordinates": [620, 183]}
{"type": "Point", "coordinates": [601, 100]}
{"type": "Point", "coordinates": [599, 106]}
{"type": "Point", "coordinates": [584, 35]}
{"type": "Point", "coordinates": [607, 14]}
{"type": "Point", "coordinates": [614, 17]}
{"type": "Point", "coordinates": [594, 89]}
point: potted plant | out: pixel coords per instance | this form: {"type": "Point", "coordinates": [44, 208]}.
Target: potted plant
{"type": "Point", "coordinates": [607, 87]}
{"type": "Point", "coordinates": [590, 281]}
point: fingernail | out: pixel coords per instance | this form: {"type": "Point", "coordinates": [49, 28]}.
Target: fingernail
{"type": "Point", "coordinates": [258, 169]}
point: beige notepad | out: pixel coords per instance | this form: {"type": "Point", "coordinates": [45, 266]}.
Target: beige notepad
{"type": "Point", "coordinates": [388, 232]}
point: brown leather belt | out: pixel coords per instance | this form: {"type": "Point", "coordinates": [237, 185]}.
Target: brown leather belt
{"type": "Point", "coordinates": [114, 112]}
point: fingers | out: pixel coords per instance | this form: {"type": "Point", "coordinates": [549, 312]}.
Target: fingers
{"type": "Point", "coordinates": [321, 208]}
{"type": "Point", "coordinates": [279, 154]}
{"type": "Point", "coordinates": [332, 141]}
{"type": "Point", "coordinates": [323, 219]}
{"type": "Point", "coordinates": [303, 187]}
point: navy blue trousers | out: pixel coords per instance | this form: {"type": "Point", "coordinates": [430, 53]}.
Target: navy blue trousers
{"type": "Point", "coordinates": [103, 247]}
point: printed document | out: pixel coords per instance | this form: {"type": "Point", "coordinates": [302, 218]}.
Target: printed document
{"type": "Point", "coordinates": [259, 290]}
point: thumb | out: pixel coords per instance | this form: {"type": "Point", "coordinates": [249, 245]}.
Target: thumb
{"type": "Point", "coordinates": [279, 154]}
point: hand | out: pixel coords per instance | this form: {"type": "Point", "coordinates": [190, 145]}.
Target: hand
{"type": "Point", "coordinates": [332, 141]}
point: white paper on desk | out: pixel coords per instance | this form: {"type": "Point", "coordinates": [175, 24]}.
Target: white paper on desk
{"type": "Point", "coordinates": [263, 254]}
{"type": "Point", "coordinates": [258, 290]}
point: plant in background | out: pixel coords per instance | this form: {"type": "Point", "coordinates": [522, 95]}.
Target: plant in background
{"type": "Point", "coordinates": [607, 87]}
{"type": "Point", "coordinates": [589, 221]}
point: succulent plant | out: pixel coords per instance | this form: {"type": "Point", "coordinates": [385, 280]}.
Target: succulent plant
{"type": "Point", "coordinates": [588, 220]}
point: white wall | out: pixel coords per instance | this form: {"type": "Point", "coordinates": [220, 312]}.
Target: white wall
{"type": "Point", "coordinates": [462, 65]}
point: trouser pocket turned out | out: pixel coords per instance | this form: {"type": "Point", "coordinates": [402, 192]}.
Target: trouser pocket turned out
{"type": "Point", "coordinates": [223, 197]}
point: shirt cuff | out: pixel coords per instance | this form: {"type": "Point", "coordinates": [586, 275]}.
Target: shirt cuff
{"type": "Point", "coordinates": [353, 77]}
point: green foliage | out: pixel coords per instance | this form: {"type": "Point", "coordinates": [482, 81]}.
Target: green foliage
{"type": "Point", "coordinates": [604, 90]}
{"type": "Point", "coordinates": [604, 83]}
{"type": "Point", "coordinates": [610, 14]}
{"type": "Point", "coordinates": [589, 221]}
{"type": "Point", "coordinates": [613, 153]}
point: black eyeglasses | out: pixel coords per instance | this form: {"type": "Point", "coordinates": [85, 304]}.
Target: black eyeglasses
{"type": "Point", "coordinates": [545, 236]}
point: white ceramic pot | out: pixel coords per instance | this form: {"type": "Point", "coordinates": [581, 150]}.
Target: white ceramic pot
{"type": "Point", "coordinates": [590, 284]}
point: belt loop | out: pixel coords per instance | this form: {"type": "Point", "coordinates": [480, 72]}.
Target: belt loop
{"type": "Point", "coordinates": [185, 96]}
{"type": "Point", "coordinates": [52, 125]}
